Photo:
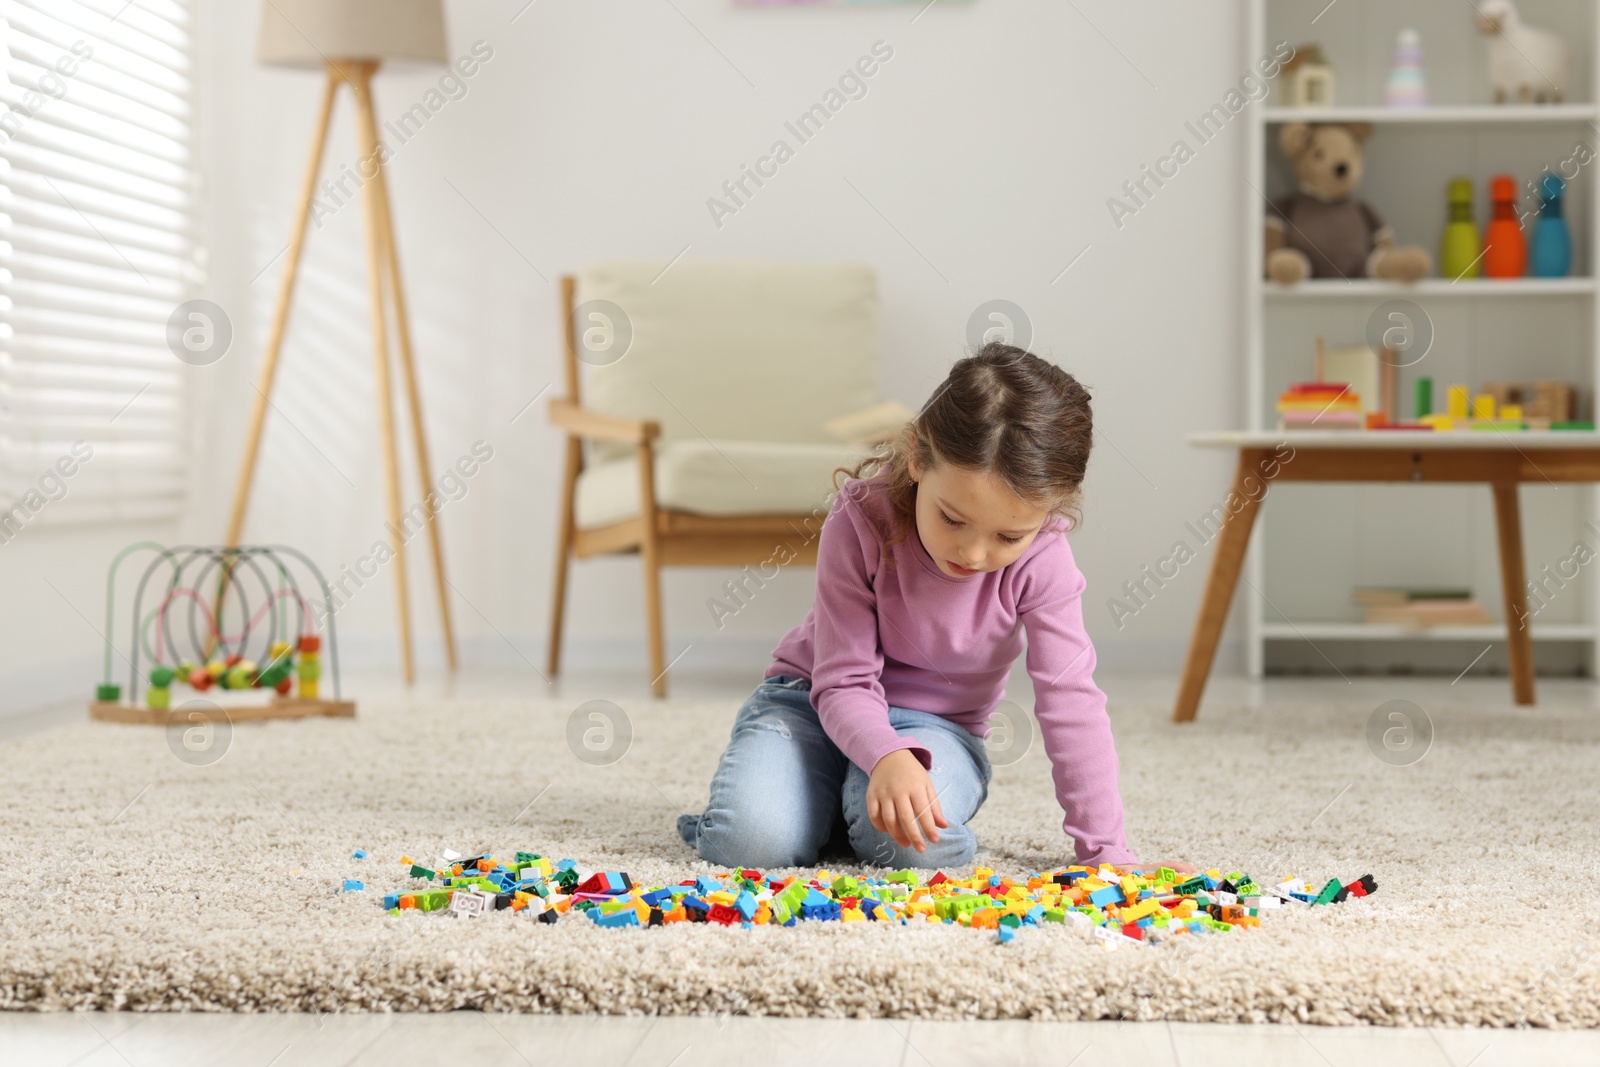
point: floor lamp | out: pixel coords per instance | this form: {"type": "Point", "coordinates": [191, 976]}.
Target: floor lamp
{"type": "Point", "coordinates": [348, 39]}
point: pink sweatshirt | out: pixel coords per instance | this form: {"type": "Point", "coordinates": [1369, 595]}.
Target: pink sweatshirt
{"type": "Point", "coordinates": [914, 637]}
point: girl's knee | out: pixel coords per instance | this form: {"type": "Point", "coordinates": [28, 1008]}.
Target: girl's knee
{"type": "Point", "coordinates": [756, 841]}
{"type": "Point", "coordinates": [956, 847]}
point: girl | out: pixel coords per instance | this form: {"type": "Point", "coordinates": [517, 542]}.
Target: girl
{"type": "Point", "coordinates": [869, 723]}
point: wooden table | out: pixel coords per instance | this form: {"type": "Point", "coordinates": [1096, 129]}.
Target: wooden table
{"type": "Point", "coordinates": [1501, 460]}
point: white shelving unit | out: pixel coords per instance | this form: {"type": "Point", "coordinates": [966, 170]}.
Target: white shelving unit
{"type": "Point", "coordinates": [1315, 543]}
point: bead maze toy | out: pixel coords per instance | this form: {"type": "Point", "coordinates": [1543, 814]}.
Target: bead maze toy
{"type": "Point", "coordinates": [1109, 906]}
{"type": "Point", "coordinates": [256, 632]}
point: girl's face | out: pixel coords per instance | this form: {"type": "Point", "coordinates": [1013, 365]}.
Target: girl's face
{"type": "Point", "coordinates": [970, 521]}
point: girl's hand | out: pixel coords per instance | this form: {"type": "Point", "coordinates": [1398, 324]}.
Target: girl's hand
{"type": "Point", "coordinates": [901, 801]}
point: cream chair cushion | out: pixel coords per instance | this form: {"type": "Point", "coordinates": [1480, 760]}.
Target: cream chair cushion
{"type": "Point", "coordinates": [717, 478]}
{"type": "Point", "coordinates": [743, 351]}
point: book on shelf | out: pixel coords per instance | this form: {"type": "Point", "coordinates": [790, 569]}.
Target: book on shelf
{"type": "Point", "coordinates": [1421, 607]}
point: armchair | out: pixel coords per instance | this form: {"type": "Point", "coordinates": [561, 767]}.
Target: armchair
{"type": "Point", "coordinates": [701, 443]}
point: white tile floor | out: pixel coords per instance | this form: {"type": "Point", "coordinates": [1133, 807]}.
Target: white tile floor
{"type": "Point", "coordinates": [98, 1040]}
{"type": "Point", "coordinates": [120, 1040]}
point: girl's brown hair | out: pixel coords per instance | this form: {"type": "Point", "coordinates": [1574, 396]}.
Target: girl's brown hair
{"type": "Point", "coordinates": [1005, 411]}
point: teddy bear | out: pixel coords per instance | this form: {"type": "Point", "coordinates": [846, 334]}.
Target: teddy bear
{"type": "Point", "coordinates": [1322, 231]}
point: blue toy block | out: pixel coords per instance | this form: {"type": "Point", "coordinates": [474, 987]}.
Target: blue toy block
{"type": "Point", "coordinates": [620, 917]}
{"type": "Point", "coordinates": [1007, 934]}
{"type": "Point", "coordinates": [391, 901]}
{"type": "Point", "coordinates": [870, 908]}
{"type": "Point", "coordinates": [566, 865]}
{"type": "Point", "coordinates": [360, 854]}
{"type": "Point", "coordinates": [353, 886]}
{"type": "Point", "coordinates": [704, 885]}
{"type": "Point", "coordinates": [745, 905]}
{"type": "Point", "coordinates": [653, 899]}
{"type": "Point", "coordinates": [1035, 915]}
{"type": "Point", "coordinates": [1111, 894]}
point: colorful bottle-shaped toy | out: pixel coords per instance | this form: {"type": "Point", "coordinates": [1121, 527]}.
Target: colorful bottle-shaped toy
{"type": "Point", "coordinates": [1407, 87]}
{"type": "Point", "coordinates": [1552, 243]}
{"type": "Point", "coordinates": [1505, 252]}
{"type": "Point", "coordinates": [1459, 249]}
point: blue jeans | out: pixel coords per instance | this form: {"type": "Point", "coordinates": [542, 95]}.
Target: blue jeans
{"type": "Point", "coordinates": [782, 787]}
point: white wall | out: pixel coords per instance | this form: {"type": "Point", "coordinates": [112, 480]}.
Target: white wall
{"type": "Point", "coordinates": [990, 144]}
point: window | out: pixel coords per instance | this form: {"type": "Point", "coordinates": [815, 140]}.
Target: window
{"type": "Point", "coordinates": [97, 250]}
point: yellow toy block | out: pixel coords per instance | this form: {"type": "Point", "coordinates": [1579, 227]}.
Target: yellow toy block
{"type": "Point", "coordinates": [1483, 406]}
{"type": "Point", "coordinates": [852, 915]}
{"type": "Point", "coordinates": [920, 907]}
{"type": "Point", "coordinates": [1134, 912]}
{"type": "Point", "coordinates": [983, 872]}
{"type": "Point", "coordinates": [1511, 412]}
{"type": "Point", "coordinates": [1456, 402]}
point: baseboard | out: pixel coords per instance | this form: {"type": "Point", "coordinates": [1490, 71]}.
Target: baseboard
{"type": "Point", "coordinates": [381, 652]}
{"type": "Point", "coordinates": [32, 688]}
{"type": "Point", "coordinates": [714, 653]}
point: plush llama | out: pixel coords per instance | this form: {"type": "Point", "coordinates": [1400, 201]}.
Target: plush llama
{"type": "Point", "coordinates": [1526, 65]}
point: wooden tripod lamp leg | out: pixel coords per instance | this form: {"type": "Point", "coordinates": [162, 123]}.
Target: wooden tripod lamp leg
{"type": "Point", "coordinates": [380, 183]}
{"type": "Point", "coordinates": [650, 558]}
{"type": "Point", "coordinates": [1232, 541]}
{"type": "Point", "coordinates": [564, 538]}
{"type": "Point", "coordinates": [367, 137]}
{"type": "Point", "coordinates": [280, 319]}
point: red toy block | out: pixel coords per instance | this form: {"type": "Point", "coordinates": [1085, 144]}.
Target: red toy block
{"type": "Point", "coordinates": [721, 913]}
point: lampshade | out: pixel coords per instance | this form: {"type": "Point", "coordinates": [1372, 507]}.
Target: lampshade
{"type": "Point", "coordinates": [307, 33]}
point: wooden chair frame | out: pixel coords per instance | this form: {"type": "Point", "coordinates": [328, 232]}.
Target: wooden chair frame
{"type": "Point", "coordinates": [661, 536]}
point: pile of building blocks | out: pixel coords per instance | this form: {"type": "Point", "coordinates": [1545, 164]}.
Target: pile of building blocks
{"type": "Point", "coordinates": [1110, 905]}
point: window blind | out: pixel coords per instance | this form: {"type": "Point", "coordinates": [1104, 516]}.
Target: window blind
{"type": "Point", "coordinates": [97, 249]}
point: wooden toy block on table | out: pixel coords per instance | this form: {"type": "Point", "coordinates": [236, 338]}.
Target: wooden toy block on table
{"type": "Point", "coordinates": [214, 608]}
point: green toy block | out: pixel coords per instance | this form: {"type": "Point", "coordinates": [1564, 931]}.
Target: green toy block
{"type": "Point", "coordinates": [419, 871]}
{"type": "Point", "coordinates": [906, 877]}
{"type": "Point", "coordinates": [1166, 874]}
{"type": "Point", "coordinates": [954, 907]}
{"type": "Point", "coordinates": [846, 886]}
{"type": "Point", "coordinates": [1329, 891]}
{"type": "Point", "coordinates": [1055, 915]}
{"type": "Point", "coordinates": [108, 693]}
{"type": "Point", "coordinates": [1012, 921]}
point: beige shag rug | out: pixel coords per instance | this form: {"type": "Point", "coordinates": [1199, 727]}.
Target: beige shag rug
{"type": "Point", "coordinates": [139, 880]}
